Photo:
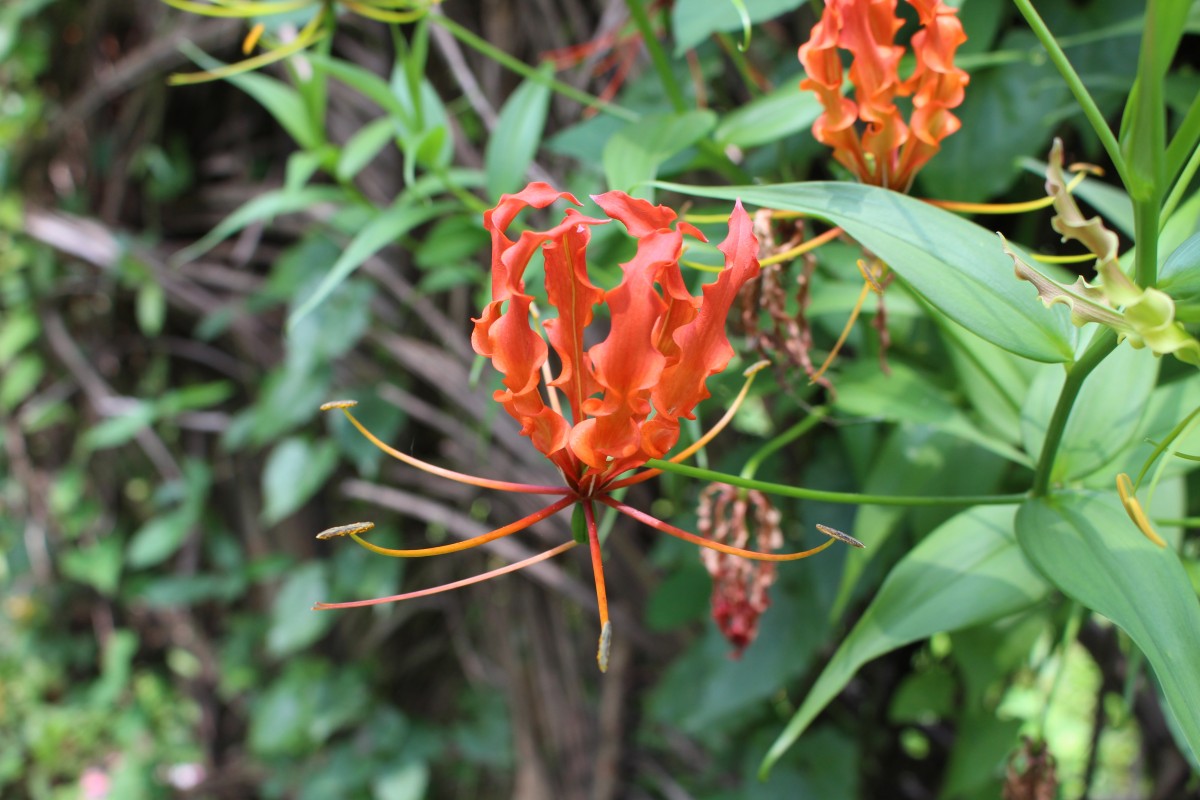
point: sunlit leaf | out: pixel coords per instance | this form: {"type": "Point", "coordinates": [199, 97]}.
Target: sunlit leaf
{"type": "Point", "coordinates": [1087, 546]}
{"type": "Point", "coordinates": [967, 572]}
{"type": "Point", "coordinates": [515, 140]}
{"type": "Point", "coordinates": [956, 265]}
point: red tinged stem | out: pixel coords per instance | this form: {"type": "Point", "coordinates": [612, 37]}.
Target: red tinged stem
{"type": "Point", "coordinates": [601, 593]}
{"type": "Point", "coordinates": [446, 587]}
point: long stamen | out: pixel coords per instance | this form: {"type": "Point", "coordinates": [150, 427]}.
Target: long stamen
{"type": "Point", "coordinates": [679, 533]}
{"type": "Point", "coordinates": [601, 594]}
{"type": "Point", "coordinates": [1134, 509]}
{"type": "Point", "coordinates": [841, 340]}
{"type": "Point", "coordinates": [1005, 208]}
{"type": "Point", "coordinates": [307, 36]}
{"type": "Point", "coordinates": [802, 248]}
{"type": "Point", "coordinates": [551, 553]}
{"type": "Point", "coordinates": [441, 472]}
{"type": "Point", "coordinates": [711, 434]}
{"type": "Point", "coordinates": [466, 544]}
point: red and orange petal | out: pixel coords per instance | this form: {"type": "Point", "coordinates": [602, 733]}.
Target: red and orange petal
{"type": "Point", "coordinates": [626, 393]}
{"type": "Point", "coordinates": [889, 151]}
{"type": "Point", "coordinates": [703, 348]}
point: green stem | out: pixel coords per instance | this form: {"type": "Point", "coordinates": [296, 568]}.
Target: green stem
{"type": "Point", "coordinates": [1090, 109]}
{"type": "Point", "coordinates": [521, 68]}
{"type": "Point", "coordinates": [1103, 344]}
{"type": "Point", "coordinates": [662, 64]}
{"type": "Point", "coordinates": [740, 63]}
{"type": "Point", "coordinates": [1145, 233]}
{"type": "Point", "coordinates": [1185, 139]}
{"type": "Point", "coordinates": [790, 435]}
{"type": "Point", "coordinates": [1180, 188]}
{"type": "Point", "coordinates": [1162, 446]}
{"type": "Point", "coordinates": [1178, 522]}
{"type": "Point", "coordinates": [853, 498]}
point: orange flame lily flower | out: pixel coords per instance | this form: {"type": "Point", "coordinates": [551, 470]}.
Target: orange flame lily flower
{"type": "Point", "coordinates": [889, 152]}
{"type": "Point", "coordinates": [613, 405]}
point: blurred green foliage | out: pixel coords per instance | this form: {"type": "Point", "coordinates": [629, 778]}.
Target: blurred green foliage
{"type": "Point", "coordinates": [165, 348]}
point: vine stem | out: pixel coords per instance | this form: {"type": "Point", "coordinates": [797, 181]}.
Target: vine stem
{"type": "Point", "coordinates": [1103, 344]}
{"type": "Point", "coordinates": [520, 67]}
{"type": "Point", "coordinates": [1090, 109]}
{"type": "Point", "coordinates": [853, 498]}
{"type": "Point", "coordinates": [662, 65]}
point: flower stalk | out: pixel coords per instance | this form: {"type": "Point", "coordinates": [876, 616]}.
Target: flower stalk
{"type": "Point", "coordinates": [613, 407]}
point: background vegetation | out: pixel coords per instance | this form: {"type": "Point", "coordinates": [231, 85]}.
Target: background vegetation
{"type": "Point", "coordinates": [164, 466]}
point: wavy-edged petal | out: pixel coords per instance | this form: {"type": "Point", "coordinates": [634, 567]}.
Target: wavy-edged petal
{"type": "Point", "coordinates": [574, 297]}
{"type": "Point", "coordinates": [704, 349]}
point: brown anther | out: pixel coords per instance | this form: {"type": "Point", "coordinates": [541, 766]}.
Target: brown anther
{"type": "Point", "coordinates": [345, 530]}
{"type": "Point", "coordinates": [840, 536]}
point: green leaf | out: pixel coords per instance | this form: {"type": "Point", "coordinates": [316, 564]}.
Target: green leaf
{"type": "Point", "coordinates": [635, 153]}
{"type": "Point", "coordinates": [196, 396]}
{"type": "Point", "coordinates": [280, 100]}
{"type": "Point", "coordinates": [116, 669]}
{"type": "Point", "coordinates": [1104, 418]}
{"type": "Point", "coordinates": [907, 396]}
{"type": "Point", "coordinates": [993, 380]}
{"type": "Point", "coordinates": [428, 138]}
{"type": "Point", "coordinates": [958, 266]}
{"type": "Point", "coordinates": [151, 308]}
{"type": "Point", "coordinates": [161, 536]}
{"type": "Point", "coordinates": [914, 460]}
{"type": "Point", "coordinates": [295, 470]}
{"type": "Point", "coordinates": [301, 166]}
{"type": "Point", "coordinates": [285, 105]}
{"type": "Point", "coordinates": [965, 573]}
{"type": "Point", "coordinates": [20, 379]}
{"type": "Point", "coordinates": [1180, 274]}
{"type": "Point", "coordinates": [515, 140]}
{"type": "Point", "coordinates": [1143, 126]}
{"type": "Point", "coordinates": [368, 83]}
{"type": "Point", "coordinates": [294, 625]}
{"type": "Point", "coordinates": [281, 715]}
{"type": "Point", "coordinates": [363, 146]}
{"type": "Point", "coordinates": [98, 565]}
{"type": "Point", "coordinates": [693, 21]}
{"type": "Point", "coordinates": [769, 118]}
{"type": "Point", "coordinates": [265, 206]}
{"type": "Point", "coordinates": [408, 782]}
{"type": "Point", "coordinates": [18, 328]}
{"type": "Point", "coordinates": [1086, 545]}
{"type": "Point", "coordinates": [158, 539]}
{"type": "Point", "coordinates": [386, 227]}
{"type": "Point", "coordinates": [1167, 406]}
{"type": "Point", "coordinates": [116, 431]}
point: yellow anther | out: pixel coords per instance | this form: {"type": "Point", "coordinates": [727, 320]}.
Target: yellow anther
{"type": "Point", "coordinates": [331, 405]}
{"type": "Point", "coordinates": [755, 368]}
{"type": "Point", "coordinates": [252, 38]}
{"type": "Point", "coordinates": [1134, 509]}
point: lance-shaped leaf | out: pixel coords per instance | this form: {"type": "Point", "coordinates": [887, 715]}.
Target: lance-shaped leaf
{"type": "Point", "coordinates": [967, 572]}
{"type": "Point", "coordinates": [955, 264]}
{"type": "Point", "coordinates": [1089, 548]}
